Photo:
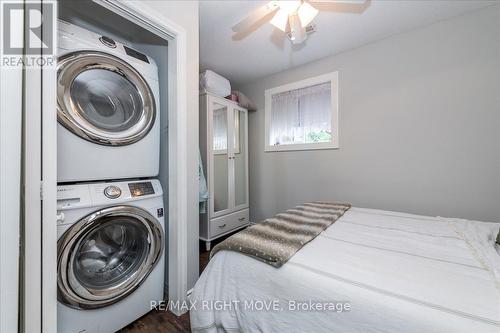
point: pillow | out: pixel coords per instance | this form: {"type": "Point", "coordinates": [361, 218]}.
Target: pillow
{"type": "Point", "coordinates": [244, 101]}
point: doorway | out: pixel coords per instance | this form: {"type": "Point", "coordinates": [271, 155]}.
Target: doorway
{"type": "Point", "coordinates": [40, 304]}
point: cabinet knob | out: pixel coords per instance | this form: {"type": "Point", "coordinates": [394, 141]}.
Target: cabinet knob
{"type": "Point", "coordinates": [241, 219]}
{"type": "Point", "coordinates": [222, 226]}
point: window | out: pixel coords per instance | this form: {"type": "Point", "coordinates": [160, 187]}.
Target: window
{"type": "Point", "coordinates": [303, 115]}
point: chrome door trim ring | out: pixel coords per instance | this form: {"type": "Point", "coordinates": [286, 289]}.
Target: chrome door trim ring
{"type": "Point", "coordinates": [70, 66]}
{"type": "Point", "coordinates": [69, 241]}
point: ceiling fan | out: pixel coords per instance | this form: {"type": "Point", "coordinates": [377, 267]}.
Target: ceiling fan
{"type": "Point", "coordinates": [294, 17]}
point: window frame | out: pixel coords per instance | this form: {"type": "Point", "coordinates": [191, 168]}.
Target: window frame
{"type": "Point", "coordinates": [331, 77]}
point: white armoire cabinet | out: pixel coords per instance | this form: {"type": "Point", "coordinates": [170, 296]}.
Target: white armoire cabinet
{"type": "Point", "coordinates": [224, 152]}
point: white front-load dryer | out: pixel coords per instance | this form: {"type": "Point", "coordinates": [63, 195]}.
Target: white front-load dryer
{"type": "Point", "coordinates": [107, 108]}
{"type": "Point", "coordinates": [109, 254]}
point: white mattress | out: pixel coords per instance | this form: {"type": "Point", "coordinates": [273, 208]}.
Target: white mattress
{"type": "Point", "coordinates": [398, 272]}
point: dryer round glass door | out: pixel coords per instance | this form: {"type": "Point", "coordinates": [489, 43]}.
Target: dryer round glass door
{"type": "Point", "coordinates": [103, 99]}
{"type": "Point", "coordinates": [107, 255]}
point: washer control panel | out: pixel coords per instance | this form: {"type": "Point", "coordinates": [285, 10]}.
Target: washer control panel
{"type": "Point", "coordinates": [105, 193]}
{"type": "Point", "coordinates": [140, 189]}
{"type": "Point", "coordinates": [112, 192]}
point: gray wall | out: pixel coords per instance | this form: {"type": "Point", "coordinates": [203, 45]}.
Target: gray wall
{"type": "Point", "coordinates": [419, 127]}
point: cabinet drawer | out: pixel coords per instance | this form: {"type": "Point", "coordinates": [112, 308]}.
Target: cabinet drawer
{"type": "Point", "coordinates": [226, 223]}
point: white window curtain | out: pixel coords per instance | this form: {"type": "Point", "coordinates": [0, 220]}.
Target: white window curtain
{"type": "Point", "coordinates": [301, 116]}
{"type": "Point", "coordinates": [220, 129]}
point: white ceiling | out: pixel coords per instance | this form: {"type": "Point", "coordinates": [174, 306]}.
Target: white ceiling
{"type": "Point", "coordinates": [266, 50]}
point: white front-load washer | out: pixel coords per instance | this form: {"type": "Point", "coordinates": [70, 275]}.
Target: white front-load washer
{"type": "Point", "coordinates": [107, 108]}
{"type": "Point", "coordinates": [109, 254]}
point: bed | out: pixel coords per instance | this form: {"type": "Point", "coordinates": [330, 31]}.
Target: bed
{"type": "Point", "coordinates": [370, 271]}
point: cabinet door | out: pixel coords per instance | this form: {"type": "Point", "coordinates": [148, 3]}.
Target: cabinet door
{"type": "Point", "coordinates": [239, 158]}
{"type": "Point", "coordinates": [220, 192]}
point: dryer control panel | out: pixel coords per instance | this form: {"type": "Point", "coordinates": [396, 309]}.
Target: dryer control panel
{"type": "Point", "coordinates": [140, 189]}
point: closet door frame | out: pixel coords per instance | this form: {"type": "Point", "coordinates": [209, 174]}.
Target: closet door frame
{"type": "Point", "coordinates": [11, 118]}
{"type": "Point", "coordinates": [38, 280]}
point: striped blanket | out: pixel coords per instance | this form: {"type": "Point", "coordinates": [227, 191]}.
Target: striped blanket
{"type": "Point", "coordinates": [277, 239]}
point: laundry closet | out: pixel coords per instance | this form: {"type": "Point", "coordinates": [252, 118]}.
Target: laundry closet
{"type": "Point", "coordinates": [113, 168]}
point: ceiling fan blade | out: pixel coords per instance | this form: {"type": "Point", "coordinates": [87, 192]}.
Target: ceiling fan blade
{"type": "Point", "coordinates": [255, 16]}
{"type": "Point", "coordinates": [355, 2]}
{"type": "Point", "coordinates": [342, 6]}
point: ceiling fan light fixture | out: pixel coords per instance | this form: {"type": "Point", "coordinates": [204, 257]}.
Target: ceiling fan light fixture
{"type": "Point", "coordinates": [280, 20]}
{"type": "Point", "coordinates": [289, 6]}
{"type": "Point", "coordinates": [307, 13]}
{"type": "Point", "coordinates": [297, 32]}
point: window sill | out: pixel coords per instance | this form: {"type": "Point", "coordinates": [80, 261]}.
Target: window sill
{"type": "Point", "coordinates": [302, 147]}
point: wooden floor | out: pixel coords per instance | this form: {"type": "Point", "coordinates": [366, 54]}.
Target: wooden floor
{"type": "Point", "coordinates": [165, 321]}
{"type": "Point", "coordinates": [159, 321]}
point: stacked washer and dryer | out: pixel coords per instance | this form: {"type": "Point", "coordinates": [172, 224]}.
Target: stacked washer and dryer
{"type": "Point", "coordinates": [111, 217]}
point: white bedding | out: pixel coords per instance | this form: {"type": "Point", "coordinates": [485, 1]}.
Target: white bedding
{"type": "Point", "coordinates": [398, 272]}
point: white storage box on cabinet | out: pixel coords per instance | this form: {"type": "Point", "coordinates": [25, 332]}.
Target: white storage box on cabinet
{"type": "Point", "coordinates": [224, 152]}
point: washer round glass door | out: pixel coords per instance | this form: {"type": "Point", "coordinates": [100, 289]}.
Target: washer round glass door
{"type": "Point", "coordinates": [107, 255]}
{"type": "Point", "coordinates": [103, 99]}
